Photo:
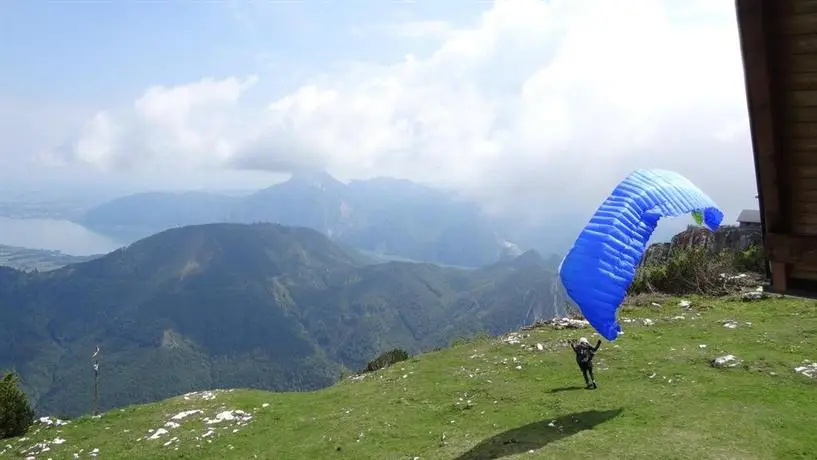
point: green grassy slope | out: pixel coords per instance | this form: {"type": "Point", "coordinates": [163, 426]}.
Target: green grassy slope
{"type": "Point", "coordinates": [658, 397]}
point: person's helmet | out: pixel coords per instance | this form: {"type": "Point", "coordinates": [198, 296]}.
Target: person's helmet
{"type": "Point", "coordinates": [583, 340]}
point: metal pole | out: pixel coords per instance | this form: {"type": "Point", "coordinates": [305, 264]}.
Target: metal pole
{"type": "Point", "coordinates": [96, 380]}
{"type": "Point", "coordinates": [96, 386]}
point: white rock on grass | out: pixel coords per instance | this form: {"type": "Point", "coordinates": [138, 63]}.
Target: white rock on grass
{"type": "Point", "coordinates": [184, 414]}
{"type": "Point", "coordinates": [229, 415]}
{"type": "Point", "coordinates": [559, 323]}
{"type": "Point", "coordinates": [754, 295]}
{"type": "Point", "coordinates": [52, 421]}
{"type": "Point", "coordinates": [725, 361]}
{"type": "Point", "coordinates": [568, 323]}
{"type": "Point", "coordinates": [809, 370]}
{"type": "Point", "coordinates": [40, 447]}
{"type": "Point", "coordinates": [205, 395]}
{"type": "Point", "coordinates": [514, 338]}
{"type": "Point", "coordinates": [158, 433]}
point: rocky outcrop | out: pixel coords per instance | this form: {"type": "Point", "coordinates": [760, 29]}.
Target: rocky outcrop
{"type": "Point", "coordinates": [726, 237]}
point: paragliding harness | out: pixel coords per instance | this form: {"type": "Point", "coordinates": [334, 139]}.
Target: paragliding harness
{"type": "Point", "coordinates": [585, 353]}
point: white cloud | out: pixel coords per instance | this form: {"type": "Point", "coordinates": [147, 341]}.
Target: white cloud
{"type": "Point", "coordinates": [537, 99]}
{"type": "Point", "coordinates": [413, 30]}
{"type": "Point", "coordinates": [423, 29]}
{"type": "Point", "coordinates": [188, 126]}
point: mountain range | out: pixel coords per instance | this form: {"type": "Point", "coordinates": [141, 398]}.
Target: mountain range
{"type": "Point", "coordinates": [244, 305]}
{"type": "Point", "coordinates": [391, 218]}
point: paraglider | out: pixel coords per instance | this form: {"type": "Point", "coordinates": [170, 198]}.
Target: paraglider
{"type": "Point", "coordinates": [599, 268]}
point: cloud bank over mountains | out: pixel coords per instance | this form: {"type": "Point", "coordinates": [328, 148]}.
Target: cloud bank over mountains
{"type": "Point", "coordinates": [532, 100]}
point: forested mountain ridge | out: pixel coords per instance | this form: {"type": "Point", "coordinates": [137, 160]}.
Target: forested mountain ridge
{"type": "Point", "coordinates": [237, 305]}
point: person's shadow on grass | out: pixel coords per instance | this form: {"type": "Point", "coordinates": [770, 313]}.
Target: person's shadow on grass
{"type": "Point", "coordinates": [537, 434]}
{"type": "Point", "coordinates": [561, 389]}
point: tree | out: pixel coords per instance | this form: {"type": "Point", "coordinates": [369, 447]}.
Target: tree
{"type": "Point", "coordinates": [387, 359]}
{"type": "Point", "coordinates": [16, 415]}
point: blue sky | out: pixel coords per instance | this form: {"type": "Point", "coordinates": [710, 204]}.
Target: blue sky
{"type": "Point", "coordinates": [70, 58]}
{"type": "Point", "coordinates": [95, 52]}
{"type": "Point", "coordinates": [511, 102]}
{"type": "Point", "coordinates": [102, 52]}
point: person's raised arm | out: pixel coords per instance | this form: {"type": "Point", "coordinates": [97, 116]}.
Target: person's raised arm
{"type": "Point", "coordinates": [597, 345]}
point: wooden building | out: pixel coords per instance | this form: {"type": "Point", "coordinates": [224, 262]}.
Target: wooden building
{"type": "Point", "coordinates": [779, 47]}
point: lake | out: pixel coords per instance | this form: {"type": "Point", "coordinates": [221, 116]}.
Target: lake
{"type": "Point", "coordinates": [58, 235]}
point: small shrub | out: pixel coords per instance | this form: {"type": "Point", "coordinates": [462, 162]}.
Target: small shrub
{"type": "Point", "coordinates": [686, 271]}
{"type": "Point", "coordinates": [751, 259]}
{"type": "Point", "coordinates": [387, 359]}
{"type": "Point", "coordinates": [345, 374]}
{"type": "Point", "coordinates": [16, 415]}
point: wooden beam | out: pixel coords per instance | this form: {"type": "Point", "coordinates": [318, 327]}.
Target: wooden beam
{"type": "Point", "coordinates": [791, 249]}
{"type": "Point", "coordinates": [797, 6]}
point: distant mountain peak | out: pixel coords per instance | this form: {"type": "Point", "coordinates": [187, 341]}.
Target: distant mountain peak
{"type": "Point", "coordinates": [314, 178]}
{"type": "Point", "coordinates": [509, 250]}
{"type": "Point", "coordinates": [531, 256]}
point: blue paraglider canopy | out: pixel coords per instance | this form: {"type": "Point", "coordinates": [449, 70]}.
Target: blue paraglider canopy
{"type": "Point", "coordinates": [599, 268]}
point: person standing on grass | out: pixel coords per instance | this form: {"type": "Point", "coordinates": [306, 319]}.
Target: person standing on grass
{"type": "Point", "coordinates": [584, 358]}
